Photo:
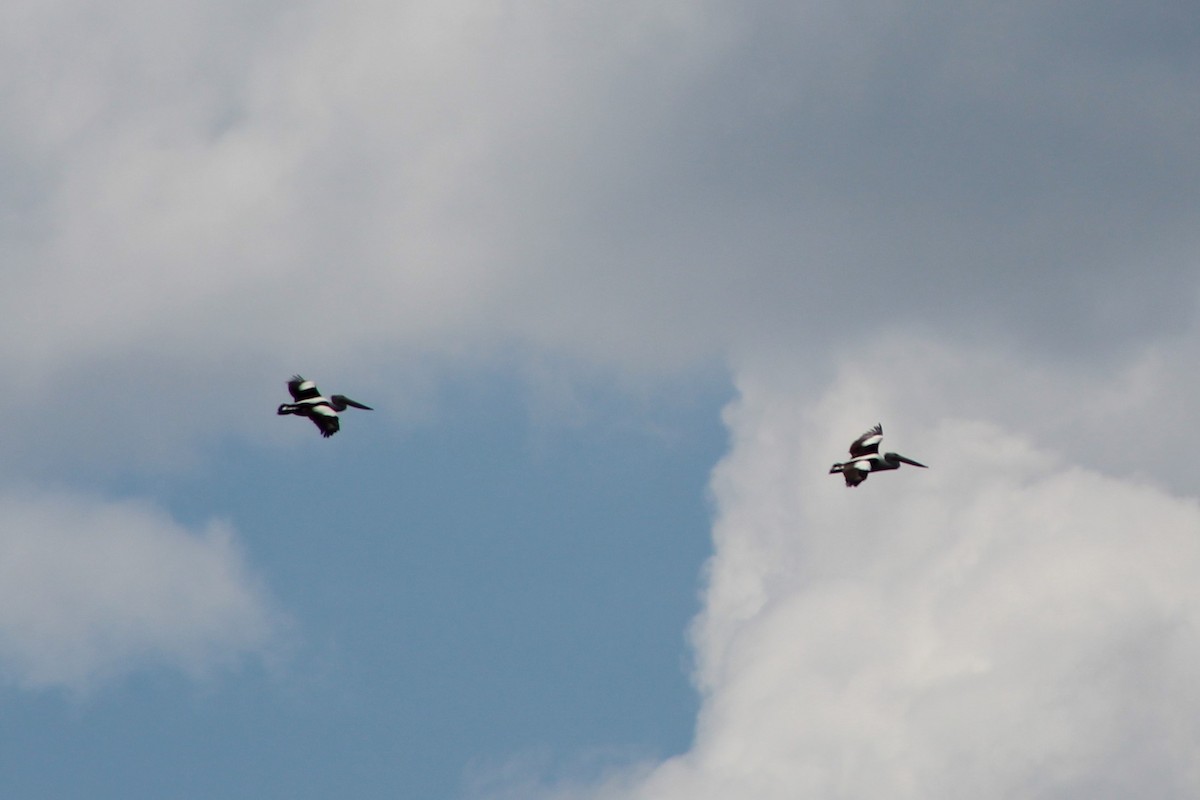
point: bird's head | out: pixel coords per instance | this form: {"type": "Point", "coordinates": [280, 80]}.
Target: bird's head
{"type": "Point", "coordinates": [837, 468]}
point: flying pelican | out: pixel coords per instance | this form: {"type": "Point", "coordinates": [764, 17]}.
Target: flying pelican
{"type": "Point", "coordinates": [322, 411]}
{"type": "Point", "coordinates": [865, 458]}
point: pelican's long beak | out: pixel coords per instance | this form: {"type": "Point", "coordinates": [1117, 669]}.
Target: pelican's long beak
{"type": "Point", "coordinates": [340, 401]}
{"type": "Point", "coordinates": [910, 461]}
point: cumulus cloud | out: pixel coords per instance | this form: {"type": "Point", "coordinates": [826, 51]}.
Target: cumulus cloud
{"type": "Point", "coordinates": [90, 590]}
{"type": "Point", "coordinates": [1010, 622]}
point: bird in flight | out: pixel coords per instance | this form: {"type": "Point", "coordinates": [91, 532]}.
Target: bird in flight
{"type": "Point", "coordinates": [865, 458]}
{"type": "Point", "coordinates": [321, 410]}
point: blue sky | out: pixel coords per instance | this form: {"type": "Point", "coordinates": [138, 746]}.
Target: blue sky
{"type": "Point", "coordinates": [481, 587]}
{"type": "Point", "coordinates": [621, 281]}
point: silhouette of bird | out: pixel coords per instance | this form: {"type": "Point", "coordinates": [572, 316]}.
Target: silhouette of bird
{"type": "Point", "coordinates": [321, 410]}
{"type": "Point", "coordinates": [865, 458]}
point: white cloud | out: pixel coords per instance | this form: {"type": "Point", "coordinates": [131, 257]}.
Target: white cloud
{"type": "Point", "coordinates": [91, 590]}
{"type": "Point", "coordinates": [380, 172]}
{"type": "Point", "coordinates": [332, 188]}
{"type": "Point", "coordinates": [1007, 623]}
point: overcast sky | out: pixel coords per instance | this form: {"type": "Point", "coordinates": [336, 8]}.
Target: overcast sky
{"type": "Point", "coordinates": [621, 281]}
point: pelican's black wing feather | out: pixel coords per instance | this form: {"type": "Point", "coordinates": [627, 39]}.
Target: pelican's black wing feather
{"type": "Point", "coordinates": [868, 443]}
{"type": "Point", "coordinates": [327, 424]}
{"type": "Point", "coordinates": [302, 389]}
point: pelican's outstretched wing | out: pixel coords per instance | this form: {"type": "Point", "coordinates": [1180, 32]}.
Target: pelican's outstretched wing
{"type": "Point", "coordinates": [326, 421]}
{"type": "Point", "coordinates": [868, 443]}
{"type": "Point", "coordinates": [856, 472]}
{"type": "Point", "coordinates": [302, 389]}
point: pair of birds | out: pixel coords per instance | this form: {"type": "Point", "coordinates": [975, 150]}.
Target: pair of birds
{"type": "Point", "coordinates": [865, 457]}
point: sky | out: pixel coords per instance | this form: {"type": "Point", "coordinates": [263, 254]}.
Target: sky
{"type": "Point", "coordinates": [620, 281]}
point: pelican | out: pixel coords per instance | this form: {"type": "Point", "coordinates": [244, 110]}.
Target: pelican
{"type": "Point", "coordinates": [865, 458]}
{"type": "Point", "coordinates": [322, 411]}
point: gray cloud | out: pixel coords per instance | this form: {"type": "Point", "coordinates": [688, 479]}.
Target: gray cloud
{"type": "Point", "coordinates": [645, 186]}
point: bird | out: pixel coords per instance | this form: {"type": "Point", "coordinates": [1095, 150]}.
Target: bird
{"type": "Point", "coordinates": [321, 410]}
{"type": "Point", "coordinates": [865, 458]}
